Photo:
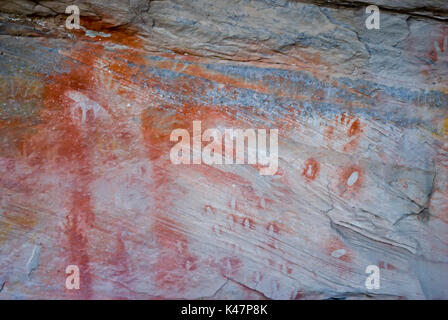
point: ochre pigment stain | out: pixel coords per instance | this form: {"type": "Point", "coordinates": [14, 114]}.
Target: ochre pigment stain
{"type": "Point", "coordinates": [311, 169]}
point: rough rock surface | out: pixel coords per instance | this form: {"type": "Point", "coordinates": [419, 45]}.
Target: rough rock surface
{"type": "Point", "coordinates": [86, 178]}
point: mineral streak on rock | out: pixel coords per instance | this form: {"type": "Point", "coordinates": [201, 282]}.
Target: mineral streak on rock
{"type": "Point", "coordinates": [86, 177]}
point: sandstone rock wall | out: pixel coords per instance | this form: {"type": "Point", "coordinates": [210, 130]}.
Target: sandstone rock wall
{"type": "Point", "coordinates": [86, 177]}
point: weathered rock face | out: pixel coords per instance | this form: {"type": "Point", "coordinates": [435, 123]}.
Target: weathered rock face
{"type": "Point", "coordinates": [86, 177]}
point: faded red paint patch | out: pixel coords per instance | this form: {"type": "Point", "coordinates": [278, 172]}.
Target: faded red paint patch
{"type": "Point", "coordinates": [355, 128]}
{"type": "Point", "coordinates": [174, 261]}
{"type": "Point", "coordinates": [353, 131]}
{"type": "Point", "coordinates": [335, 244]}
{"type": "Point", "coordinates": [72, 150]}
{"type": "Point", "coordinates": [311, 169]}
{"type": "Point", "coordinates": [290, 223]}
{"type": "Point", "coordinates": [439, 40]}
{"type": "Point", "coordinates": [345, 131]}
{"type": "Point", "coordinates": [245, 222]}
{"type": "Point", "coordinates": [384, 265]}
{"type": "Point", "coordinates": [351, 180]}
{"type": "Point", "coordinates": [328, 132]}
{"type": "Point", "coordinates": [433, 66]}
{"type": "Point", "coordinates": [298, 295]}
{"type": "Point", "coordinates": [391, 267]}
{"type": "Point", "coordinates": [71, 142]}
{"type": "Point", "coordinates": [227, 266]}
{"type": "Point", "coordinates": [119, 258]}
{"type": "Point", "coordinates": [273, 227]}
